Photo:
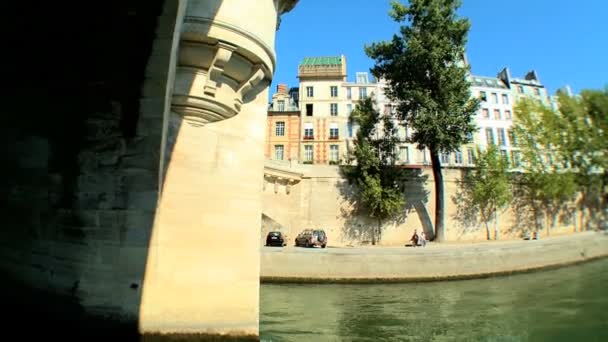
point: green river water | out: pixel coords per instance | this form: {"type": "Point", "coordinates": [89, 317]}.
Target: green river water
{"type": "Point", "coordinates": [566, 304]}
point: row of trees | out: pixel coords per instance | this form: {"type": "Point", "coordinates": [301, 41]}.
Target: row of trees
{"type": "Point", "coordinates": [563, 152]}
{"type": "Point", "coordinates": [564, 163]}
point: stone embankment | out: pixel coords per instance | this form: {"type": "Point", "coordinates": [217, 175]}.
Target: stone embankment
{"type": "Point", "coordinates": [430, 263]}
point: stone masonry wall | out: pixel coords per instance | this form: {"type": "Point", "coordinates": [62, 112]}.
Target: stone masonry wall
{"type": "Point", "coordinates": [81, 147]}
{"type": "Point", "coordinates": [320, 200]}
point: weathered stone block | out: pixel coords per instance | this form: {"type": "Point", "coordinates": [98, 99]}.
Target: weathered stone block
{"type": "Point", "coordinates": [142, 200]}
{"type": "Point", "coordinates": [101, 129]}
{"type": "Point", "coordinates": [34, 153]}
{"type": "Point", "coordinates": [150, 126]}
{"type": "Point", "coordinates": [112, 218]}
{"type": "Point", "coordinates": [140, 161]}
{"type": "Point", "coordinates": [137, 237]}
{"type": "Point", "coordinates": [109, 254]}
{"type": "Point", "coordinates": [89, 200]}
{"type": "Point", "coordinates": [87, 161]}
{"type": "Point", "coordinates": [141, 180]}
{"type": "Point", "coordinates": [154, 88]}
{"type": "Point", "coordinates": [158, 67]}
{"type": "Point", "coordinates": [139, 219]}
{"type": "Point", "coordinates": [152, 106]}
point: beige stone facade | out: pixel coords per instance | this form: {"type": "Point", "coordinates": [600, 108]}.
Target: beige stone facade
{"type": "Point", "coordinates": [212, 165]}
{"type": "Point", "coordinates": [320, 199]}
{"type": "Point", "coordinates": [282, 127]}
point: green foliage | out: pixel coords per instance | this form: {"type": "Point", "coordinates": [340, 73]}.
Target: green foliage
{"type": "Point", "coordinates": [423, 68]}
{"type": "Point", "coordinates": [546, 138]}
{"type": "Point", "coordinates": [374, 175]}
{"type": "Point", "coordinates": [584, 143]}
{"type": "Point", "coordinates": [487, 186]}
{"type": "Point", "coordinates": [426, 78]}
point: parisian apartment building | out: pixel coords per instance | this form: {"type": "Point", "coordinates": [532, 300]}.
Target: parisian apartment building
{"type": "Point", "coordinates": [310, 124]}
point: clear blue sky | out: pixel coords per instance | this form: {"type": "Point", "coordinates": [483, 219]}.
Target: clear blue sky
{"type": "Point", "coordinates": [565, 41]}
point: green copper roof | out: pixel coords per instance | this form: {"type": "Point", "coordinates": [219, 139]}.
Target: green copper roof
{"type": "Point", "coordinates": [333, 60]}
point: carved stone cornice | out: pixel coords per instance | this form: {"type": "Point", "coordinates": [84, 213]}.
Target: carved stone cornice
{"type": "Point", "coordinates": [284, 6]}
{"type": "Point", "coordinates": [225, 57]}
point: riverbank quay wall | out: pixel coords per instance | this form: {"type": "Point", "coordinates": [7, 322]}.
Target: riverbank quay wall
{"type": "Point", "coordinates": [131, 135]}
{"type": "Point", "coordinates": [431, 263]}
{"type": "Point", "coordinates": [299, 196]}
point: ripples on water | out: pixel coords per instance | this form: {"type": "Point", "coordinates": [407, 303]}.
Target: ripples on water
{"type": "Point", "coordinates": [567, 304]}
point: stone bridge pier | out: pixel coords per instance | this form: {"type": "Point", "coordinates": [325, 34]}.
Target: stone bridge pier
{"type": "Point", "coordinates": [132, 159]}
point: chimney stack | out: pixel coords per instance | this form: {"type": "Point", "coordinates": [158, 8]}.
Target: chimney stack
{"type": "Point", "coordinates": [282, 88]}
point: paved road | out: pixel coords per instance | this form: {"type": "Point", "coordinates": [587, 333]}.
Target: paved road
{"type": "Point", "coordinates": [433, 262]}
{"type": "Point", "coordinates": [430, 248]}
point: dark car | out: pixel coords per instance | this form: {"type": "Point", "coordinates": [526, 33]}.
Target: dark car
{"type": "Point", "coordinates": [311, 238]}
{"type": "Point", "coordinates": [276, 239]}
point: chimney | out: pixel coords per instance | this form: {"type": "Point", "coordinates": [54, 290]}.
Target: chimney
{"type": "Point", "coordinates": [282, 88]}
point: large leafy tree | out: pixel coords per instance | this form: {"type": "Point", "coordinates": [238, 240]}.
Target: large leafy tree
{"type": "Point", "coordinates": [548, 182]}
{"type": "Point", "coordinates": [424, 70]}
{"type": "Point", "coordinates": [583, 143]}
{"type": "Point", "coordinates": [373, 172]}
{"type": "Point", "coordinates": [488, 188]}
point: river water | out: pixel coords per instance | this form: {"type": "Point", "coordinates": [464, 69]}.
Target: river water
{"type": "Point", "coordinates": [566, 304]}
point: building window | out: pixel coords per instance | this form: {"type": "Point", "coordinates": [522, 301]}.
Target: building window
{"type": "Point", "coordinates": [445, 158]}
{"type": "Point", "coordinates": [333, 130]}
{"type": "Point", "coordinates": [309, 109]}
{"type": "Point", "coordinates": [278, 152]}
{"type": "Point", "coordinates": [483, 96]}
{"type": "Point", "coordinates": [515, 158]}
{"type": "Point", "coordinates": [508, 115]}
{"type": "Point", "coordinates": [333, 108]}
{"type": "Point", "coordinates": [505, 99]}
{"type": "Point", "coordinates": [485, 113]}
{"type": "Point", "coordinates": [512, 139]}
{"type": "Point", "coordinates": [458, 157]}
{"type": "Point", "coordinates": [281, 105]}
{"type": "Point", "coordinates": [470, 156]}
{"type": "Point", "coordinates": [333, 90]}
{"type": "Point", "coordinates": [362, 77]}
{"type": "Point", "coordinates": [308, 155]}
{"type": "Point", "coordinates": [489, 136]}
{"type": "Point", "coordinates": [404, 154]}
{"type": "Point", "coordinates": [501, 136]}
{"type": "Point", "coordinates": [349, 126]}
{"type": "Point", "coordinates": [308, 131]}
{"type": "Point", "coordinates": [309, 92]}
{"type": "Point", "coordinates": [425, 159]}
{"type": "Point", "coordinates": [520, 89]}
{"type": "Point", "coordinates": [349, 93]}
{"type": "Point", "coordinates": [362, 93]}
{"type": "Point", "coordinates": [334, 153]}
{"type": "Point", "coordinates": [470, 137]}
{"type": "Point", "coordinates": [280, 129]}
{"type": "Point", "coordinates": [504, 155]}
{"type": "Point", "coordinates": [349, 108]}
{"type": "Point", "coordinates": [496, 114]}
{"type": "Point", "coordinates": [494, 98]}
{"type": "Point", "coordinates": [537, 91]}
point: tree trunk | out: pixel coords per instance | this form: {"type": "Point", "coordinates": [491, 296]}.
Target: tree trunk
{"type": "Point", "coordinates": [485, 222]}
{"type": "Point", "coordinates": [439, 202]}
{"type": "Point", "coordinates": [379, 231]}
{"type": "Point", "coordinates": [488, 234]}
{"type": "Point", "coordinates": [495, 224]}
{"type": "Point", "coordinates": [547, 223]}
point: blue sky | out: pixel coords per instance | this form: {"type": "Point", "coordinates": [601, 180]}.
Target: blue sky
{"type": "Point", "coordinates": [566, 42]}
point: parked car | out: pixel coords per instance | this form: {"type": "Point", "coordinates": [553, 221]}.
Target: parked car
{"type": "Point", "coordinates": [311, 238]}
{"type": "Point", "coordinates": [276, 239]}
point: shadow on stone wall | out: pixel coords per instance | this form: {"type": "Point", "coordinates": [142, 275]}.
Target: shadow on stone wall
{"type": "Point", "coordinates": [359, 226]}
{"type": "Point", "coordinates": [79, 181]}
{"type": "Point", "coordinates": [467, 216]}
